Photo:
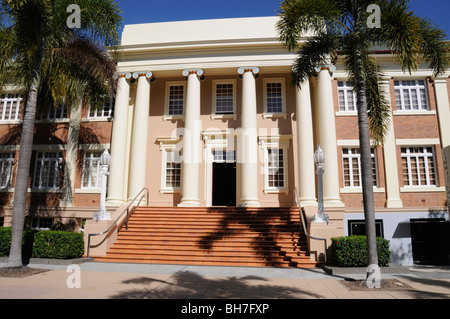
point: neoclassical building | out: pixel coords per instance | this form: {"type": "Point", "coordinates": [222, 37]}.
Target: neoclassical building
{"type": "Point", "coordinates": [205, 116]}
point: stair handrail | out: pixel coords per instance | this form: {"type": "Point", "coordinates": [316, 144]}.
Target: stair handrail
{"type": "Point", "coordinates": [127, 210]}
{"type": "Point", "coordinates": [301, 211]}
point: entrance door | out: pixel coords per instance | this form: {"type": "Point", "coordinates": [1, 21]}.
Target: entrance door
{"type": "Point", "coordinates": [224, 184]}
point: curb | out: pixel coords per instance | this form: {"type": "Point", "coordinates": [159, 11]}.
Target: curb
{"type": "Point", "coordinates": [391, 269]}
{"type": "Point", "coordinates": [50, 261]}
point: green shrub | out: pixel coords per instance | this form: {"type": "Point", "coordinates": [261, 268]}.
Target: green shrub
{"type": "Point", "coordinates": [351, 251]}
{"type": "Point", "coordinates": [58, 244]}
{"type": "Point", "coordinates": [5, 241]}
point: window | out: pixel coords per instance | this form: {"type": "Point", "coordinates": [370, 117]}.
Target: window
{"type": "Point", "coordinates": [56, 113]}
{"type": "Point", "coordinates": [172, 178]}
{"type": "Point", "coordinates": [224, 156]}
{"type": "Point", "coordinates": [418, 166]}
{"type": "Point", "coordinates": [6, 169]}
{"type": "Point", "coordinates": [41, 223]}
{"type": "Point", "coordinates": [107, 111]}
{"type": "Point", "coordinates": [92, 176]}
{"type": "Point", "coordinates": [274, 96]}
{"type": "Point", "coordinates": [358, 227]}
{"type": "Point", "coordinates": [411, 95]}
{"type": "Point", "coordinates": [9, 107]}
{"type": "Point", "coordinates": [346, 97]}
{"type": "Point", "coordinates": [275, 168]}
{"type": "Point", "coordinates": [175, 105]}
{"type": "Point", "coordinates": [224, 98]}
{"type": "Point", "coordinates": [351, 159]}
{"type": "Point", "coordinates": [47, 170]}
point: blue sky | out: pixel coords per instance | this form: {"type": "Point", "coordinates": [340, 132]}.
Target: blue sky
{"type": "Point", "coordinates": [146, 11]}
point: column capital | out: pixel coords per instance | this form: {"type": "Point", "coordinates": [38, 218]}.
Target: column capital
{"type": "Point", "coordinates": [252, 69]}
{"type": "Point", "coordinates": [331, 68]}
{"type": "Point", "coordinates": [126, 75]}
{"type": "Point", "coordinates": [147, 74]}
{"type": "Point", "coordinates": [199, 72]}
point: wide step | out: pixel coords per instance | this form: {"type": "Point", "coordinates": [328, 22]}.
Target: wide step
{"type": "Point", "coordinates": [212, 236]}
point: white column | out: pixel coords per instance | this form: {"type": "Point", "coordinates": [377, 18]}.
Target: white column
{"type": "Point", "coordinates": [443, 109]}
{"type": "Point", "coordinates": [119, 142]}
{"type": "Point", "coordinates": [390, 156]}
{"type": "Point", "coordinates": [327, 136]}
{"type": "Point", "coordinates": [191, 141]}
{"type": "Point", "coordinates": [139, 136]}
{"type": "Point", "coordinates": [305, 147]}
{"type": "Point", "coordinates": [248, 140]}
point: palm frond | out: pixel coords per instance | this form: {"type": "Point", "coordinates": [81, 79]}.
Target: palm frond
{"type": "Point", "coordinates": [315, 52]}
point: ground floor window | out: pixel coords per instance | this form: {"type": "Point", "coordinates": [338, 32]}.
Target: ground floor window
{"type": "Point", "coordinates": [358, 227]}
{"type": "Point", "coordinates": [41, 223]}
{"type": "Point", "coordinates": [275, 175]}
{"type": "Point", "coordinates": [172, 171]}
{"type": "Point", "coordinates": [6, 169]}
{"type": "Point", "coordinates": [48, 166]}
{"type": "Point", "coordinates": [418, 166]}
{"type": "Point", "coordinates": [351, 158]}
{"type": "Point", "coordinates": [92, 177]}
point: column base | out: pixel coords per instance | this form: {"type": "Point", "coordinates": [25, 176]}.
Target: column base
{"type": "Point", "coordinates": [308, 202]}
{"type": "Point", "coordinates": [189, 203]}
{"type": "Point", "coordinates": [394, 203]}
{"type": "Point", "coordinates": [249, 203]}
{"type": "Point", "coordinates": [114, 202]}
{"type": "Point", "coordinates": [333, 202]}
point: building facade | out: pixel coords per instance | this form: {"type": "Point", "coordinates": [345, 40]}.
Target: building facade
{"type": "Point", "coordinates": [205, 115]}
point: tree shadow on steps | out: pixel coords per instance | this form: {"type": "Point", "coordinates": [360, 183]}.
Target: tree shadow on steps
{"type": "Point", "coordinates": [267, 227]}
{"type": "Point", "coordinates": [190, 285]}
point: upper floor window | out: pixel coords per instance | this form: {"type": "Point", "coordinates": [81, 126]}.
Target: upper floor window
{"type": "Point", "coordinates": [274, 96]}
{"type": "Point", "coordinates": [47, 170]}
{"type": "Point", "coordinates": [6, 169]}
{"type": "Point", "coordinates": [224, 97]}
{"type": "Point", "coordinates": [56, 113]}
{"type": "Point", "coordinates": [9, 107]}
{"type": "Point", "coordinates": [418, 166]}
{"type": "Point", "coordinates": [107, 111]}
{"type": "Point", "coordinates": [346, 97]}
{"type": "Point", "coordinates": [175, 99]}
{"type": "Point", "coordinates": [411, 95]}
{"type": "Point", "coordinates": [351, 159]}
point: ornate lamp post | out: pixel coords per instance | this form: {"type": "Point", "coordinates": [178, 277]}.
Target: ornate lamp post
{"type": "Point", "coordinates": [102, 214]}
{"type": "Point", "coordinates": [319, 159]}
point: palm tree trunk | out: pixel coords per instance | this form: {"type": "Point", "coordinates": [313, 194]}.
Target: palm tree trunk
{"type": "Point", "coordinates": [22, 178]}
{"type": "Point", "coordinates": [366, 162]}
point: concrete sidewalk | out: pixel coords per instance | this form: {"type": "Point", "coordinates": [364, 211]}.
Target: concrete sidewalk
{"type": "Point", "coordinates": [149, 281]}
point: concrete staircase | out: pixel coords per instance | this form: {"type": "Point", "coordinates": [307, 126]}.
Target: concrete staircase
{"type": "Point", "coordinates": [227, 236]}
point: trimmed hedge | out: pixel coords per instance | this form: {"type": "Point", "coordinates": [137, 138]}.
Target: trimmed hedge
{"type": "Point", "coordinates": [5, 241]}
{"type": "Point", "coordinates": [58, 244]}
{"type": "Point", "coordinates": [45, 244]}
{"type": "Point", "coordinates": [351, 251]}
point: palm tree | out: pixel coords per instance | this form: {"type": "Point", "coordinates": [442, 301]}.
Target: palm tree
{"type": "Point", "coordinates": [340, 27]}
{"type": "Point", "coordinates": [51, 62]}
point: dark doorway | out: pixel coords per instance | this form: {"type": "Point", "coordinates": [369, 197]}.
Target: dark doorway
{"type": "Point", "coordinates": [224, 184]}
{"type": "Point", "coordinates": [430, 239]}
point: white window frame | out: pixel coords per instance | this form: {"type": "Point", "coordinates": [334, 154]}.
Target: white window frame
{"type": "Point", "coordinates": [282, 113]}
{"type": "Point", "coordinates": [426, 156]}
{"type": "Point", "coordinates": [345, 88]}
{"type": "Point", "coordinates": [56, 113]}
{"type": "Point", "coordinates": [37, 221]}
{"type": "Point", "coordinates": [88, 159]}
{"type": "Point", "coordinates": [6, 163]}
{"type": "Point", "coordinates": [101, 113]}
{"type": "Point", "coordinates": [275, 142]}
{"type": "Point", "coordinates": [352, 156]}
{"type": "Point", "coordinates": [166, 145]}
{"type": "Point", "coordinates": [405, 85]}
{"type": "Point", "coordinates": [168, 116]}
{"type": "Point", "coordinates": [55, 164]}
{"type": "Point", "coordinates": [10, 106]}
{"type": "Point", "coordinates": [215, 113]}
